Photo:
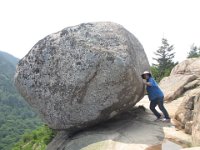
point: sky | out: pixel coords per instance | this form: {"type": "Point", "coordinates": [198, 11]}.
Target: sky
{"type": "Point", "coordinates": [24, 22]}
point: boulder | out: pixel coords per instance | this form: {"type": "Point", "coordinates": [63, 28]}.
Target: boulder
{"type": "Point", "coordinates": [184, 114]}
{"type": "Point", "coordinates": [196, 121]}
{"type": "Point", "coordinates": [184, 82]}
{"type": "Point", "coordinates": [192, 148]}
{"type": "Point", "coordinates": [184, 76]}
{"type": "Point", "coordinates": [173, 86]}
{"type": "Point", "coordinates": [189, 116]}
{"type": "Point", "coordinates": [83, 75]}
{"type": "Point", "coordinates": [187, 67]}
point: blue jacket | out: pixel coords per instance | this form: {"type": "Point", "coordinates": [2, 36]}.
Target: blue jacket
{"type": "Point", "coordinates": [153, 91]}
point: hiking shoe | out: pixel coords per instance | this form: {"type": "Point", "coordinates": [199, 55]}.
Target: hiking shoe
{"type": "Point", "coordinates": [165, 120]}
{"type": "Point", "coordinates": [157, 119]}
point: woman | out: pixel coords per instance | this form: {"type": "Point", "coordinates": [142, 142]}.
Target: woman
{"type": "Point", "coordinates": [156, 97]}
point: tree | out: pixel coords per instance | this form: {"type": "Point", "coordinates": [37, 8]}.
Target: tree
{"type": "Point", "coordinates": [164, 58]}
{"type": "Point", "coordinates": [194, 52]}
{"type": "Point", "coordinates": [38, 138]}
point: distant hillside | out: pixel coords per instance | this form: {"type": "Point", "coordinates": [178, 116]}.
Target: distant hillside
{"type": "Point", "coordinates": [16, 117]}
{"type": "Point", "coordinates": [13, 60]}
{"type": "Point", "coordinates": [7, 65]}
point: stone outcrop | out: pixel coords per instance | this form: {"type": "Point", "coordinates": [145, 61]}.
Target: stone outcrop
{"type": "Point", "coordinates": [123, 132]}
{"type": "Point", "coordinates": [184, 81]}
{"type": "Point", "coordinates": [192, 148]}
{"type": "Point", "coordinates": [187, 67]}
{"type": "Point", "coordinates": [196, 121]}
{"type": "Point", "coordinates": [188, 112]}
{"type": "Point", "coordinates": [183, 77]}
{"type": "Point", "coordinates": [174, 85]}
{"type": "Point", "coordinates": [83, 75]}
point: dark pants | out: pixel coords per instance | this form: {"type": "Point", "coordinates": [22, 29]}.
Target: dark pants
{"type": "Point", "coordinates": [159, 102]}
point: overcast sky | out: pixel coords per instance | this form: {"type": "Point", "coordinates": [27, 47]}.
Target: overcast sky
{"type": "Point", "coordinates": [24, 22]}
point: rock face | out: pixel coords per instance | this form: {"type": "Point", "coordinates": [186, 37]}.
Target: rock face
{"type": "Point", "coordinates": [192, 148]}
{"type": "Point", "coordinates": [174, 85]}
{"type": "Point", "coordinates": [83, 75]}
{"type": "Point", "coordinates": [196, 121]}
{"type": "Point", "coordinates": [183, 77]}
{"type": "Point", "coordinates": [184, 82]}
{"type": "Point", "coordinates": [189, 116]}
{"type": "Point", "coordinates": [123, 132]}
{"type": "Point", "coordinates": [186, 111]}
{"type": "Point", "coordinates": [187, 67]}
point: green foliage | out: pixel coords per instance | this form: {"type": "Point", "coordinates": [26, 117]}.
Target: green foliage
{"type": "Point", "coordinates": [16, 117]}
{"type": "Point", "coordinates": [37, 139]}
{"type": "Point", "coordinates": [194, 52]}
{"type": "Point", "coordinates": [155, 73]}
{"type": "Point", "coordinates": [164, 61]}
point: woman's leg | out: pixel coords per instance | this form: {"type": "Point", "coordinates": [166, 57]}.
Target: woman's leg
{"type": "Point", "coordinates": [162, 108]}
{"type": "Point", "coordinates": [153, 104]}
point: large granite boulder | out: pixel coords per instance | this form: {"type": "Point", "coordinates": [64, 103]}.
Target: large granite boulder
{"type": "Point", "coordinates": [83, 75]}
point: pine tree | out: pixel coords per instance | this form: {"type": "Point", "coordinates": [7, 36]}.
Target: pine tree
{"type": "Point", "coordinates": [164, 58]}
{"type": "Point", "coordinates": [194, 52]}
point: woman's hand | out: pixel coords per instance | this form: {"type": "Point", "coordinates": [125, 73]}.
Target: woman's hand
{"type": "Point", "coordinates": [146, 83]}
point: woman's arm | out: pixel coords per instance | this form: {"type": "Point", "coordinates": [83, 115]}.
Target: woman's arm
{"type": "Point", "coordinates": [147, 83]}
